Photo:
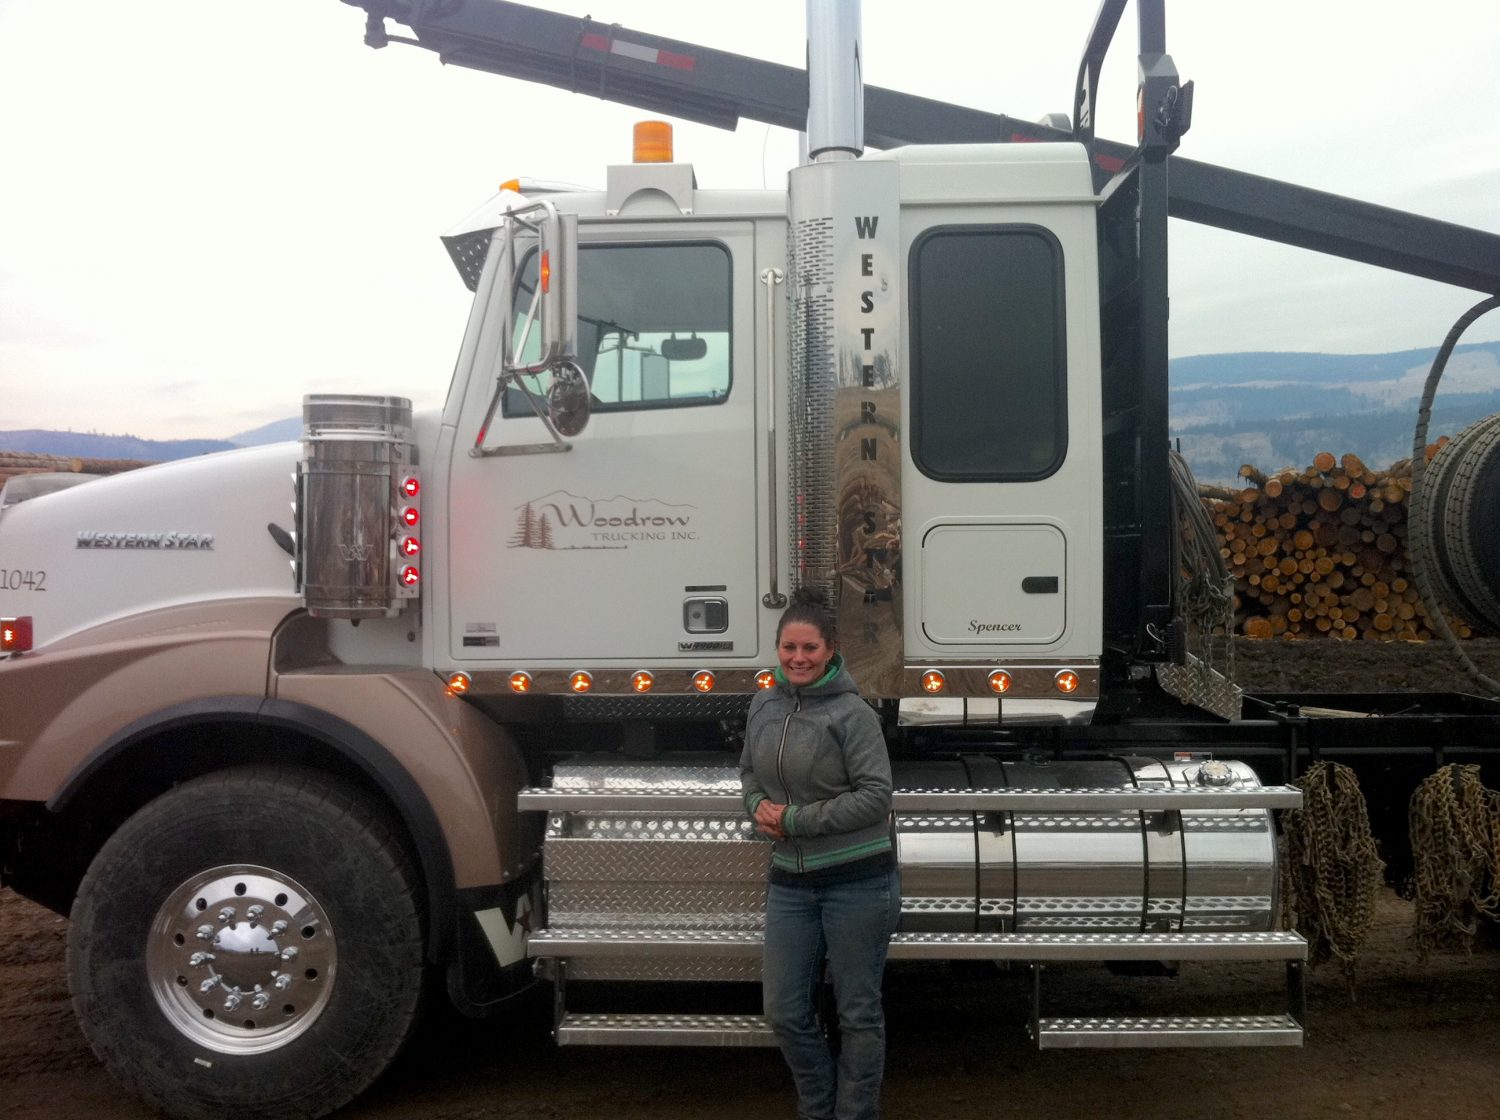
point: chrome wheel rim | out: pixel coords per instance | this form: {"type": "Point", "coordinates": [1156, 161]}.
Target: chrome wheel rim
{"type": "Point", "coordinates": [241, 959]}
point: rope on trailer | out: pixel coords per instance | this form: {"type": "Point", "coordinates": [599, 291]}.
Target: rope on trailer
{"type": "Point", "coordinates": [1455, 842]}
{"type": "Point", "coordinates": [1332, 870]}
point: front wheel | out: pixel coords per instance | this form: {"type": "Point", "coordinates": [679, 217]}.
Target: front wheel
{"type": "Point", "coordinates": [249, 942]}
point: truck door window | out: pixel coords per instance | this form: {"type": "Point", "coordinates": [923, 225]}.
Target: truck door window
{"type": "Point", "coordinates": [989, 368]}
{"type": "Point", "coordinates": [653, 326]}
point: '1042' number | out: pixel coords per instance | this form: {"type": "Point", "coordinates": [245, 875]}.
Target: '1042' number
{"type": "Point", "coordinates": [16, 579]}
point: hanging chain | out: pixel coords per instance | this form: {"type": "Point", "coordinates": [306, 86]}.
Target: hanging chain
{"type": "Point", "coordinates": [1332, 870]}
{"type": "Point", "coordinates": [1455, 840]}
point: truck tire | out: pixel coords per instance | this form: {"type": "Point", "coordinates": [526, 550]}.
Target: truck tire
{"type": "Point", "coordinates": [248, 944]}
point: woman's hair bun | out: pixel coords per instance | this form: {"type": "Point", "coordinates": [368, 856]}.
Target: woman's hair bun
{"type": "Point", "coordinates": [811, 597]}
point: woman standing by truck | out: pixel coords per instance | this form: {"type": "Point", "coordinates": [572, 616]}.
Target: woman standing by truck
{"type": "Point", "coordinates": [817, 780]}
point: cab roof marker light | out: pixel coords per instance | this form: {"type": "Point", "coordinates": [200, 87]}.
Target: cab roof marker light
{"type": "Point", "coordinates": [652, 142]}
{"type": "Point", "coordinates": [15, 634]}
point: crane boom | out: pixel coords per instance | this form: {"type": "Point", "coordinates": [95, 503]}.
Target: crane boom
{"type": "Point", "coordinates": [721, 88]}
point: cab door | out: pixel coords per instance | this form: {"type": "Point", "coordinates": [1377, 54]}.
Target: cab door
{"type": "Point", "coordinates": [636, 545]}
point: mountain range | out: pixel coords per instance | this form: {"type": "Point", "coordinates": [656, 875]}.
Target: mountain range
{"type": "Point", "coordinates": [1266, 408]}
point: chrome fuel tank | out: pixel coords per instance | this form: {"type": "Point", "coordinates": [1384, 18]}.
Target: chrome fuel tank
{"type": "Point", "coordinates": [1121, 871]}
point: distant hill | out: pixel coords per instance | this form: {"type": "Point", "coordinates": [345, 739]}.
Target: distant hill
{"type": "Point", "coordinates": [1278, 409]}
{"type": "Point", "coordinates": [91, 445]}
{"type": "Point", "coordinates": [277, 431]}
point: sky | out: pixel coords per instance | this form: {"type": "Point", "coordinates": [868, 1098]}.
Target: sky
{"type": "Point", "coordinates": [209, 208]}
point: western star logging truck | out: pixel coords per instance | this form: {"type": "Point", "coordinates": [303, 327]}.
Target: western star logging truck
{"type": "Point", "coordinates": [486, 727]}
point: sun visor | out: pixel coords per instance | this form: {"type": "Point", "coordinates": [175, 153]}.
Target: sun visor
{"type": "Point", "coordinates": [468, 242]}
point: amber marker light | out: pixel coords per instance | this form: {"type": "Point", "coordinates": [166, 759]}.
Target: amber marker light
{"type": "Point", "coordinates": [581, 681]}
{"type": "Point", "coordinates": [652, 142]}
{"type": "Point", "coordinates": [1000, 682]}
{"type": "Point", "coordinates": [459, 683]}
{"type": "Point", "coordinates": [642, 681]}
{"type": "Point", "coordinates": [1066, 681]}
{"type": "Point", "coordinates": [520, 682]}
{"type": "Point", "coordinates": [765, 678]}
{"type": "Point", "coordinates": [703, 680]}
{"type": "Point", "coordinates": [933, 682]}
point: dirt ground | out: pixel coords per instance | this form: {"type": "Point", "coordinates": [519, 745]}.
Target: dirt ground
{"type": "Point", "coordinates": [1421, 1039]}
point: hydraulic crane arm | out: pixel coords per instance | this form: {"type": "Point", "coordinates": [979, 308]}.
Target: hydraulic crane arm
{"type": "Point", "coordinates": [720, 88]}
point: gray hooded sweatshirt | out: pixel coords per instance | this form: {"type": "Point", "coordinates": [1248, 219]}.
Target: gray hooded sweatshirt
{"type": "Point", "coordinates": [819, 751]}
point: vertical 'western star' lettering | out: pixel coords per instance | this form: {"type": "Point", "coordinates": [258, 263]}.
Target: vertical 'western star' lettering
{"type": "Point", "coordinates": [864, 228]}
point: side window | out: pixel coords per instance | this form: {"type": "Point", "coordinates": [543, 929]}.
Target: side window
{"type": "Point", "coordinates": [653, 326]}
{"type": "Point", "coordinates": [989, 367]}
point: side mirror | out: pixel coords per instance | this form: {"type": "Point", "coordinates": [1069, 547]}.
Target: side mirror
{"type": "Point", "coordinates": [558, 281]}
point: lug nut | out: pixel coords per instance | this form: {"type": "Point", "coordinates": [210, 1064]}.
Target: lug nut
{"type": "Point", "coordinates": [278, 929]}
{"type": "Point", "coordinates": [283, 981]}
{"type": "Point", "coordinates": [205, 933]}
{"type": "Point", "coordinates": [289, 953]}
{"type": "Point", "coordinates": [261, 1001]}
{"type": "Point", "coordinates": [200, 958]}
{"type": "Point", "coordinates": [226, 914]}
{"type": "Point", "coordinates": [209, 985]}
{"type": "Point", "coordinates": [233, 1000]}
{"type": "Point", "coordinates": [255, 912]}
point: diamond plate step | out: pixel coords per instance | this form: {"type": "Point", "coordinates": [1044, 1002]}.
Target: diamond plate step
{"type": "Point", "coordinates": [625, 942]}
{"type": "Point", "coordinates": [663, 1030]}
{"type": "Point", "coordinates": [718, 800]}
{"type": "Point", "coordinates": [1168, 1031]}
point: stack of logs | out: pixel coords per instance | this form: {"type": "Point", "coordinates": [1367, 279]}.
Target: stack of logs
{"type": "Point", "coordinates": [13, 463]}
{"type": "Point", "coordinates": [1322, 552]}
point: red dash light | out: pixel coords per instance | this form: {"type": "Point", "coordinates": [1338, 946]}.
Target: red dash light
{"type": "Point", "coordinates": [410, 576]}
{"type": "Point", "coordinates": [15, 634]}
{"type": "Point", "coordinates": [410, 487]}
{"type": "Point", "coordinates": [410, 517]}
{"type": "Point", "coordinates": [410, 546]}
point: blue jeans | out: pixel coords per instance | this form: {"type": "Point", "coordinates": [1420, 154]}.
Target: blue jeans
{"type": "Point", "coordinates": [849, 925]}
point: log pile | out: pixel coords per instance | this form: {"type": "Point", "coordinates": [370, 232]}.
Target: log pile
{"type": "Point", "coordinates": [1321, 552]}
{"type": "Point", "coordinates": [13, 463]}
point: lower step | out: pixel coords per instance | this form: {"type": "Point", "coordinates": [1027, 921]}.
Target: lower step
{"type": "Point", "coordinates": [1169, 1030]}
{"type": "Point", "coordinates": [663, 1030]}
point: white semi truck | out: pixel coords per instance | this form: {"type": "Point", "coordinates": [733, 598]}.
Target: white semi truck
{"type": "Point", "coordinates": [288, 729]}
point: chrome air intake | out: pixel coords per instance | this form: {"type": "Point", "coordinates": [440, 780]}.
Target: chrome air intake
{"type": "Point", "coordinates": [356, 458]}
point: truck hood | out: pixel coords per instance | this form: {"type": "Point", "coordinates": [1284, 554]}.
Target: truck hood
{"type": "Point", "coordinates": [184, 532]}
